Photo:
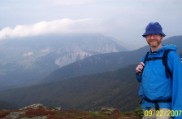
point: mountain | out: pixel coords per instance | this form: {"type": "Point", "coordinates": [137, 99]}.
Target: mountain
{"type": "Point", "coordinates": [113, 85]}
{"type": "Point", "coordinates": [110, 89]}
{"type": "Point", "coordinates": [105, 62]}
{"type": "Point", "coordinates": [24, 61]}
{"type": "Point", "coordinates": [5, 105]}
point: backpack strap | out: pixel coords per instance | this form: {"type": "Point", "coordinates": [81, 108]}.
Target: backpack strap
{"type": "Point", "coordinates": [144, 61]}
{"type": "Point", "coordinates": [146, 57]}
{"type": "Point", "coordinates": [165, 63]}
{"type": "Point", "coordinates": [154, 58]}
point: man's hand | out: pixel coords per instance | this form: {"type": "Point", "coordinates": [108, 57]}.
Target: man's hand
{"type": "Point", "coordinates": [139, 68]}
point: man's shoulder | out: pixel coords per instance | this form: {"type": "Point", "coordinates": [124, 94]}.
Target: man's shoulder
{"type": "Point", "coordinates": [169, 47]}
{"type": "Point", "coordinates": [174, 55]}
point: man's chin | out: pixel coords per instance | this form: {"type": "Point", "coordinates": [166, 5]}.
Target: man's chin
{"type": "Point", "coordinates": [153, 44]}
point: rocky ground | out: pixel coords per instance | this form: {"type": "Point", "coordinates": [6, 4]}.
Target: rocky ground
{"type": "Point", "coordinates": [39, 111]}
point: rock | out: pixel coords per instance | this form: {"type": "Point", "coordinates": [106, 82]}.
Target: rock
{"type": "Point", "coordinates": [34, 106]}
{"type": "Point", "coordinates": [109, 110]}
{"type": "Point", "coordinates": [58, 108]}
{"type": "Point", "coordinates": [20, 114]}
{"type": "Point", "coordinates": [14, 115]}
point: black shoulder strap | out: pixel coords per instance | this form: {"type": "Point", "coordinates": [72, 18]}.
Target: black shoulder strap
{"type": "Point", "coordinates": [165, 62]}
{"type": "Point", "coordinates": [146, 57]}
{"type": "Point", "coordinates": [144, 61]}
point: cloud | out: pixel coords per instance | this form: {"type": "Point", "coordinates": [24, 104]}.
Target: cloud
{"type": "Point", "coordinates": [28, 54]}
{"type": "Point", "coordinates": [61, 26]}
{"type": "Point", "coordinates": [46, 50]}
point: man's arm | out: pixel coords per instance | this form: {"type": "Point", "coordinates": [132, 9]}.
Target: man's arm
{"type": "Point", "coordinates": [177, 83]}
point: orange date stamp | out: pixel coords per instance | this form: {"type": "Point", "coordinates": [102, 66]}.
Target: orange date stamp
{"type": "Point", "coordinates": [163, 113]}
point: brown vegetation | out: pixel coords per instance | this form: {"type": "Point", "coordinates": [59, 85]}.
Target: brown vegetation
{"type": "Point", "coordinates": [37, 111]}
{"type": "Point", "coordinates": [68, 114]}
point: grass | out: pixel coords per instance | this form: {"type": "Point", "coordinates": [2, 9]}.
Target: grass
{"type": "Point", "coordinates": [74, 114]}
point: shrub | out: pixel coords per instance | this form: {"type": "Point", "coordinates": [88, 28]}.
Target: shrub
{"type": "Point", "coordinates": [38, 112]}
{"type": "Point", "coordinates": [3, 113]}
{"type": "Point", "coordinates": [138, 112]}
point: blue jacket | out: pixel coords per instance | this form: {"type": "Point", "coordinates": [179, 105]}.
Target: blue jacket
{"type": "Point", "coordinates": [156, 86]}
{"type": "Point", "coordinates": [177, 87]}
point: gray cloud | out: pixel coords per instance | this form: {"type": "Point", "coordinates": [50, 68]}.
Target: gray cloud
{"type": "Point", "coordinates": [123, 19]}
{"type": "Point", "coordinates": [62, 26]}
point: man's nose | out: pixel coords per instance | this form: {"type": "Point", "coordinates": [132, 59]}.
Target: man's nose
{"type": "Point", "coordinates": [152, 36]}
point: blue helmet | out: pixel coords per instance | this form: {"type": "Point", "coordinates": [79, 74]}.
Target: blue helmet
{"type": "Point", "coordinates": [153, 28]}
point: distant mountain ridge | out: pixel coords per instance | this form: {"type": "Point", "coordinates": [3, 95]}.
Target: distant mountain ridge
{"type": "Point", "coordinates": [106, 62]}
{"type": "Point", "coordinates": [5, 105]}
{"type": "Point", "coordinates": [25, 61]}
{"type": "Point", "coordinates": [110, 89]}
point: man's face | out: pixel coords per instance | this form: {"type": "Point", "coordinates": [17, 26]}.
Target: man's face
{"type": "Point", "coordinates": [154, 40]}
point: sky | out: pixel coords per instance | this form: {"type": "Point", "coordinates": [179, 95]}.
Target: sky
{"type": "Point", "coordinates": [124, 20]}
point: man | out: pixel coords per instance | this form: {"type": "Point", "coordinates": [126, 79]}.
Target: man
{"type": "Point", "coordinates": [160, 76]}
